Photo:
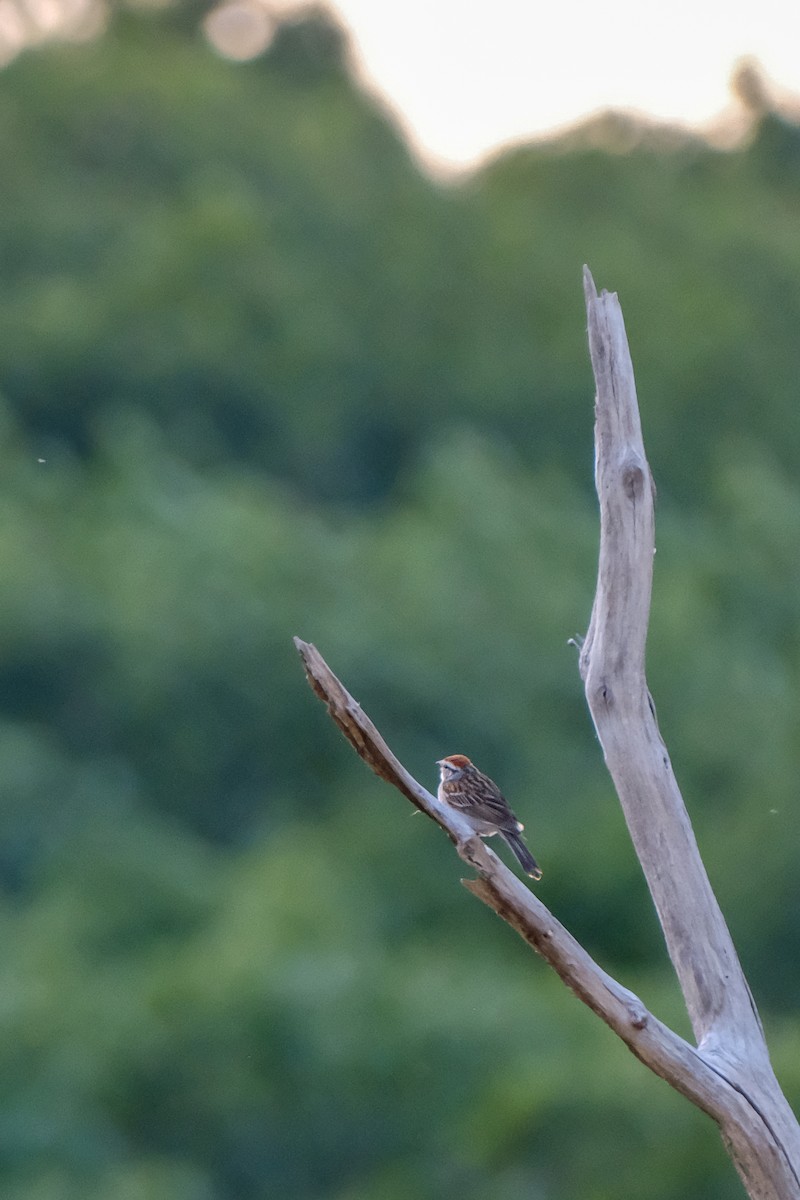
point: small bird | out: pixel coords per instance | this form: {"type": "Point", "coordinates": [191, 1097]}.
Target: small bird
{"type": "Point", "coordinates": [479, 800]}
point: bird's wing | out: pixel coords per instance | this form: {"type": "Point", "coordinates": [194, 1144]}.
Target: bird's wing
{"type": "Point", "coordinates": [487, 804]}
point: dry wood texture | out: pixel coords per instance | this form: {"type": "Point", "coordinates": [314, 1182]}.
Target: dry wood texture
{"type": "Point", "coordinates": [728, 1074]}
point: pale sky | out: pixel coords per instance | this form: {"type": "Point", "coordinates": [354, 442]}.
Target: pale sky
{"type": "Point", "coordinates": [467, 77]}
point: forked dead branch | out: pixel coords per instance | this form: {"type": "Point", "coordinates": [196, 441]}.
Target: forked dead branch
{"type": "Point", "coordinates": [728, 1073]}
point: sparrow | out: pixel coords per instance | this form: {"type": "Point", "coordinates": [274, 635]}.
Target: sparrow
{"type": "Point", "coordinates": [479, 800]}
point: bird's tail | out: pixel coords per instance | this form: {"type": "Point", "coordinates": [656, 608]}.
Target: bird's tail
{"type": "Point", "coordinates": [526, 859]}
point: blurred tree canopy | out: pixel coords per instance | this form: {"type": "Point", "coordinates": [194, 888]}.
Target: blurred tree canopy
{"type": "Point", "coordinates": [261, 376]}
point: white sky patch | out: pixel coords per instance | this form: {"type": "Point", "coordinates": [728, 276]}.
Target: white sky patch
{"type": "Point", "coordinates": [465, 78]}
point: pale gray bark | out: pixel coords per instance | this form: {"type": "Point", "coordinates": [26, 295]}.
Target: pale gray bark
{"type": "Point", "coordinates": [728, 1074]}
{"type": "Point", "coordinates": [766, 1148]}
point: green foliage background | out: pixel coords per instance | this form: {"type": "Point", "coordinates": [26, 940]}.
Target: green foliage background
{"type": "Point", "coordinates": [260, 377]}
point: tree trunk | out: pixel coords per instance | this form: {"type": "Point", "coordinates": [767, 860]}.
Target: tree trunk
{"type": "Point", "coordinates": [762, 1134]}
{"type": "Point", "coordinates": [728, 1073]}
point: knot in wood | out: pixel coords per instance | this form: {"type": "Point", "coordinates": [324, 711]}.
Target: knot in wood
{"type": "Point", "coordinates": [634, 476]}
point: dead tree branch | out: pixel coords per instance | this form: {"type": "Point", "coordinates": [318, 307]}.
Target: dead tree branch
{"type": "Point", "coordinates": [728, 1074]}
{"type": "Point", "coordinates": [612, 663]}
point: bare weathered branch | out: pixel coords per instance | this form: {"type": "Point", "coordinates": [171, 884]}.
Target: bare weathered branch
{"type": "Point", "coordinates": [612, 662]}
{"type": "Point", "coordinates": [613, 669]}
{"type": "Point", "coordinates": [368, 743]}
{"type": "Point", "coordinates": [664, 1051]}
{"type": "Point", "coordinates": [688, 1070]}
{"type": "Point", "coordinates": [728, 1075]}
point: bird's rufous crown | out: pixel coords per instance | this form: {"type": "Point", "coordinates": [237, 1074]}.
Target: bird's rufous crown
{"type": "Point", "coordinates": [458, 760]}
